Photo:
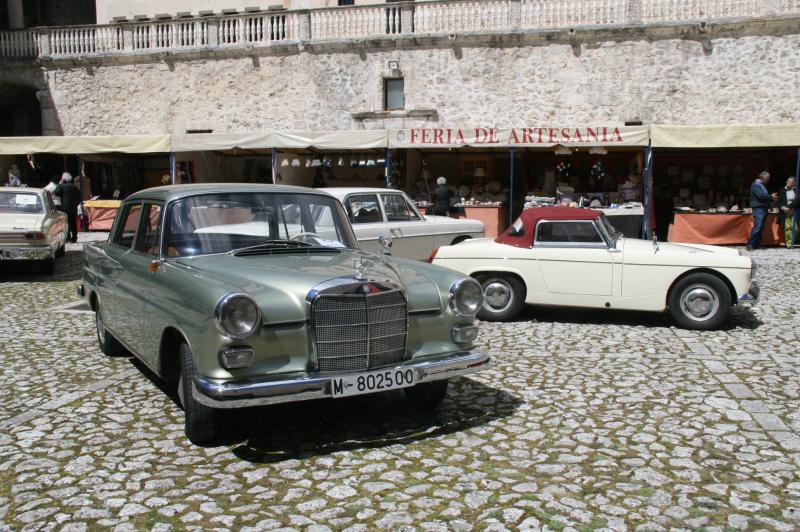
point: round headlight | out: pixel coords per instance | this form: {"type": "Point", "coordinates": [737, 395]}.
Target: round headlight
{"type": "Point", "coordinates": [237, 316]}
{"type": "Point", "coordinates": [466, 297]}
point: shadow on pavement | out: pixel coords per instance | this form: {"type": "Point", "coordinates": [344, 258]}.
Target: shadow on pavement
{"type": "Point", "coordinates": [315, 428]}
{"type": "Point", "coordinates": [68, 268]}
{"type": "Point", "coordinates": [740, 318]}
{"type": "Point", "coordinates": [320, 427]}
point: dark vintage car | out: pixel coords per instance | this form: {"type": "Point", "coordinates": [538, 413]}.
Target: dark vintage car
{"type": "Point", "coordinates": [258, 294]}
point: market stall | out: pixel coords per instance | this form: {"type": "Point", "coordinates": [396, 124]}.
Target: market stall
{"type": "Point", "coordinates": [495, 172]}
{"type": "Point", "coordinates": [702, 177]}
{"type": "Point", "coordinates": [100, 214]}
{"type": "Point", "coordinates": [103, 162]}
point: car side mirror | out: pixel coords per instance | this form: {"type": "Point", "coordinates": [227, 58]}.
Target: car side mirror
{"type": "Point", "coordinates": [385, 243]}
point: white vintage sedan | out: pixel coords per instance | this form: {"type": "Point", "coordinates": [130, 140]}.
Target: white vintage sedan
{"type": "Point", "coordinates": [31, 229]}
{"type": "Point", "coordinates": [571, 257]}
{"type": "Point", "coordinates": [376, 212]}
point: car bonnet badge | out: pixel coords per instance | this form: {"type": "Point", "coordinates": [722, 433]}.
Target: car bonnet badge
{"type": "Point", "coordinates": [361, 266]}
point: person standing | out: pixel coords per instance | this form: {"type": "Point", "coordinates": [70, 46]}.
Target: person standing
{"type": "Point", "coordinates": [70, 200]}
{"type": "Point", "coordinates": [760, 201]}
{"type": "Point", "coordinates": [51, 188]}
{"type": "Point", "coordinates": [441, 198]}
{"type": "Point", "coordinates": [13, 177]}
{"type": "Point", "coordinates": [789, 203]}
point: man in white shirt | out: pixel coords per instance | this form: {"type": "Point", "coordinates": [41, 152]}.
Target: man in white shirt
{"type": "Point", "coordinates": [51, 187]}
{"type": "Point", "coordinates": [789, 201]}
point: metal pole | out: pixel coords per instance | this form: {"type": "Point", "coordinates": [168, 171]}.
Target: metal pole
{"type": "Point", "coordinates": [647, 230]}
{"type": "Point", "coordinates": [274, 165]}
{"type": "Point", "coordinates": [388, 167]}
{"type": "Point", "coordinates": [511, 189]}
{"type": "Point", "coordinates": [796, 195]}
{"type": "Point", "coordinates": [172, 166]}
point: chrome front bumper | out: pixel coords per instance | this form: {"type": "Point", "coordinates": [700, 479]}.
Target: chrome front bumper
{"type": "Point", "coordinates": [25, 252]}
{"type": "Point", "coordinates": [258, 392]}
{"type": "Point", "coordinates": [751, 297]}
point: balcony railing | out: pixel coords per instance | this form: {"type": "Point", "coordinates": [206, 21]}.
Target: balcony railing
{"type": "Point", "coordinates": [373, 21]}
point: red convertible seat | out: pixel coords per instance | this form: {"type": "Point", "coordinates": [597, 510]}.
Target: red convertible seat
{"type": "Point", "coordinates": [530, 218]}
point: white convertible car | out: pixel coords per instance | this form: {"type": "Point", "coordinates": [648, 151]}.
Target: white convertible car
{"type": "Point", "coordinates": [376, 212]}
{"type": "Point", "coordinates": [31, 229]}
{"type": "Point", "coordinates": [571, 257]}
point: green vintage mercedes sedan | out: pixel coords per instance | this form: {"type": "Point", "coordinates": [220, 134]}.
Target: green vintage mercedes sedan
{"type": "Point", "coordinates": [250, 295]}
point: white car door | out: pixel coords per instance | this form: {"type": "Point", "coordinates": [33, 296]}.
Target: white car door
{"type": "Point", "coordinates": [575, 262]}
{"type": "Point", "coordinates": [412, 236]}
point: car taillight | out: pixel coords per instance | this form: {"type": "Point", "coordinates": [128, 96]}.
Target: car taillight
{"type": "Point", "coordinates": [35, 235]}
{"type": "Point", "coordinates": [433, 255]}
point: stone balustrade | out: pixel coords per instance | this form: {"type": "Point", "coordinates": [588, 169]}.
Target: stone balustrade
{"type": "Point", "coordinates": [373, 21]}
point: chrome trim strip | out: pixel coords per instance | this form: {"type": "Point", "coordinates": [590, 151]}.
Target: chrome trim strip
{"type": "Point", "coordinates": [257, 392]}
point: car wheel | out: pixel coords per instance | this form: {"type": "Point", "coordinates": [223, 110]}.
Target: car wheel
{"type": "Point", "coordinates": [427, 397]}
{"type": "Point", "coordinates": [108, 344]}
{"type": "Point", "coordinates": [48, 266]}
{"type": "Point", "coordinates": [700, 301]}
{"type": "Point", "coordinates": [503, 297]}
{"type": "Point", "coordinates": [201, 422]}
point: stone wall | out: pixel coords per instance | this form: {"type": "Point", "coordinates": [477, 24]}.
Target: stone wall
{"type": "Point", "coordinates": [744, 76]}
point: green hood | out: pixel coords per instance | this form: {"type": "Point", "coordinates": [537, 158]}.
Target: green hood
{"type": "Point", "coordinates": [281, 281]}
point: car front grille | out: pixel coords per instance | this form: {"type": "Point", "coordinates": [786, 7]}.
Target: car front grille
{"type": "Point", "coordinates": [359, 332]}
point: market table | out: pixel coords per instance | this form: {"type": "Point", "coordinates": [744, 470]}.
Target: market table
{"type": "Point", "coordinates": [101, 213]}
{"type": "Point", "coordinates": [495, 219]}
{"type": "Point", "coordinates": [721, 228]}
{"type": "Point", "coordinates": [627, 221]}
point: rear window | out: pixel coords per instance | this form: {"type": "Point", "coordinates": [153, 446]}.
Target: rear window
{"type": "Point", "coordinates": [20, 202]}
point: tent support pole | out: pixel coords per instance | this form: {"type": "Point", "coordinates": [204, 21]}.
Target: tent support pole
{"type": "Point", "coordinates": [172, 169]}
{"type": "Point", "coordinates": [511, 188]}
{"type": "Point", "coordinates": [274, 165]}
{"type": "Point", "coordinates": [387, 155]}
{"type": "Point", "coordinates": [647, 172]}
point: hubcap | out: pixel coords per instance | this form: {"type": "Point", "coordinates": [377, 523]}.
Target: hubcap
{"type": "Point", "coordinates": [497, 296]}
{"type": "Point", "coordinates": [699, 302]}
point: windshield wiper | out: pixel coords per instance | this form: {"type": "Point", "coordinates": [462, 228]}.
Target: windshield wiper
{"type": "Point", "coordinates": [272, 244]}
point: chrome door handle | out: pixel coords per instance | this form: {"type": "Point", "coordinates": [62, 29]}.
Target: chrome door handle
{"type": "Point", "coordinates": [396, 232]}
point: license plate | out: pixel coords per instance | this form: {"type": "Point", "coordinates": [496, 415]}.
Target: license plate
{"type": "Point", "coordinates": [373, 381]}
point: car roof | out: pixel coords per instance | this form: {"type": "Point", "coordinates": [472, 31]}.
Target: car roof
{"type": "Point", "coordinates": [22, 189]}
{"type": "Point", "coordinates": [170, 192]}
{"type": "Point", "coordinates": [531, 218]}
{"type": "Point", "coordinates": [343, 192]}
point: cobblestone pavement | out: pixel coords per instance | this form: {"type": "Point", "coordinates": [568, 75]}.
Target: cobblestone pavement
{"type": "Point", "coordinates": [588, 420]}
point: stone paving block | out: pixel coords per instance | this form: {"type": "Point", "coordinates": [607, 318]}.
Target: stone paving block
{"type": "Point", "coordinates": [739, 391]}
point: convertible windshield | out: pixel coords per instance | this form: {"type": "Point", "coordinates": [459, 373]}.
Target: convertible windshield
{"type": "Point", "coordinates": [253, 222]}
{"type": "Point", "coordinates": [610, 230]}
{"type": "Point", "coordinates": [20, 202]}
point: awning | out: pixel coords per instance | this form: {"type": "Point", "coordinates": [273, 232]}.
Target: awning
{"type": "Point", "coordinates": [326, 140]}
{"type": "Point", "coordinates": [85, 145]}
{"type": "Point", "coordinates": [725, 136]}
{"type": "Point", "coordinates": [531, 137]}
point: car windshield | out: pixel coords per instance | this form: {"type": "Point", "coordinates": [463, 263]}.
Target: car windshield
{"type": "Point", "coordinates": [610, 230]}
{"type": "Point", "coordinates": [235, 222]}
{"type": "Point", "coordinates": [20, 202]}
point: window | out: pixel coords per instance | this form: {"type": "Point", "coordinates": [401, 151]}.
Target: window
{"type": "Point", "coordinates": [150, 237]}
{"type": "Point", "coordinates": [346, 2]}
{"type": "Point", "coordinates": [364, 209]}
{"type": "Point", "coordinates": [221, 222]}
{"type": "Point", "coordinates": [568, 232]}
{"type": "Point", "coordinates": [394, 93]}
{"type": "Point", "coordinates": [127, 225]}
{"type": "Point", "coordinates": [397, 208]}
